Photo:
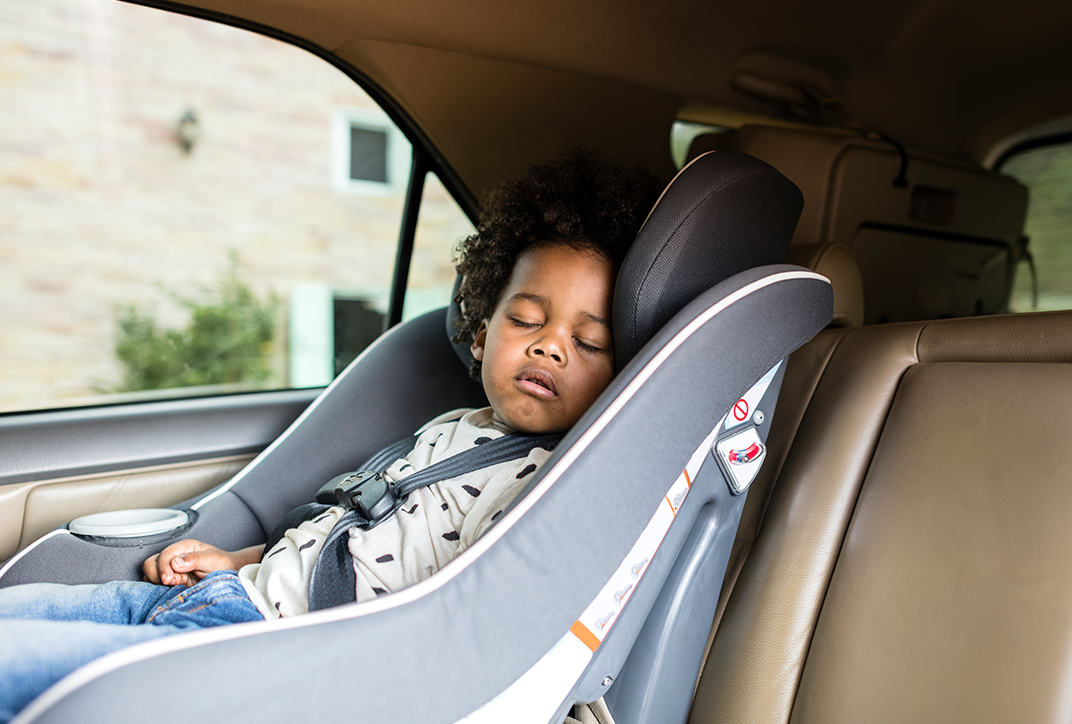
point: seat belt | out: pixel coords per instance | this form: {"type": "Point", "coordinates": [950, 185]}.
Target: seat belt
{"type": "Point", "coordinates": [325, 497]}
{"type": "Point", "coordinates": [371, 499]}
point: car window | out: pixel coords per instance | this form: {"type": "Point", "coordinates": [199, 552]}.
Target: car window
{"type": "Point", "coordinates": [683, 133]}
{"type": "Point", "coordinates": [440, 227]}
{"type": "Point", "coordinates": [190, 208]}
{"type": "Point", "coordinates": [1047, 173]}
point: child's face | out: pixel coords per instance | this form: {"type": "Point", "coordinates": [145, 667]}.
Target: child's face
{"type": "Point", "coordinates": [547, 352]}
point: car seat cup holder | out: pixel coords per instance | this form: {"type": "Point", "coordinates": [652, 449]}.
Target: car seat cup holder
{"type": "Point", "coordinates": [135, 523]}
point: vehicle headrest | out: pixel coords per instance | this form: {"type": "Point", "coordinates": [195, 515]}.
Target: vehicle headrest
{"type": "Point", "coordinates": [838, 264]}
{"type": "Point", "coordinates": [722, 214]}
{"type": "Point", "coordinates": [714, 141]}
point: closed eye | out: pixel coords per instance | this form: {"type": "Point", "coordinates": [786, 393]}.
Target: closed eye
{"type": "Point", "coordinates": [584, 346]}
{"type": "Point", "coordinates": [526, 325]}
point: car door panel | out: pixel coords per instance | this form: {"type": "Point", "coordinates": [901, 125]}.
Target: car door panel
{"type": "Point", "coordinates": [55, 466]}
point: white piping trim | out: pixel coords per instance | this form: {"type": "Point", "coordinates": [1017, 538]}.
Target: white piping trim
{"type": "Point", "coordinates": [11, 561]}
{"type": "Point", "coordinates": [675, 178]}
{"type": "Point", "coordinates": [301, 418]}
{"type": "Point", "coordinates": [151, 649]}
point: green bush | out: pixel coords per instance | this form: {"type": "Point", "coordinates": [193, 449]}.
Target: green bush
{"type": "Point", "coordinates": [228, 340]}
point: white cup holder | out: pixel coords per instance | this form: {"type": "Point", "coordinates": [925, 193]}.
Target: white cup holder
{"type": "Point", "coordinates": [129, 523]}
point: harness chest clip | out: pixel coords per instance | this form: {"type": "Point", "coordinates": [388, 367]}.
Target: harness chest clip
{"type": "Point", "coordinates": [365, 491]}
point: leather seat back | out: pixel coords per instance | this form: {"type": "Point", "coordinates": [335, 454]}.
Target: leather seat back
{"type": "Point", "coordinates": [911, 562]}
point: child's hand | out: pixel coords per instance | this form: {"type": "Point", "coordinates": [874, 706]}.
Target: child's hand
{"type": "Point", "coordinates": [187, 562]}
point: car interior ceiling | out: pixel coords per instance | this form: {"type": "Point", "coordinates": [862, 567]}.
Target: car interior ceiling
{"type": "Point", "coordinates": [902, 554]}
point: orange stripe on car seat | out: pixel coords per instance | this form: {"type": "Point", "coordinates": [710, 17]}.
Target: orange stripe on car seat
{"type": "Point", "coordinates": [587, 638]}
{"type": "Point", "coordinates": [688, 480]}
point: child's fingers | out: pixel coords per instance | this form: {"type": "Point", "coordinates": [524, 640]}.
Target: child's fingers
{"type": "Point", "coordinates": [168, 566]}
{"type": "Point", "coordinates": [204, 561]}
{"type": "Point", "coordinates": [151, 570]}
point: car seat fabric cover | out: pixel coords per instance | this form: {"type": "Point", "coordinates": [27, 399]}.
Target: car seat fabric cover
{"type": "Point", "coordinates": [468, 639]}
{"type": "Point", "coordinates": [724, 213]}
{"type": "Point", "coordinates": [461, 643]}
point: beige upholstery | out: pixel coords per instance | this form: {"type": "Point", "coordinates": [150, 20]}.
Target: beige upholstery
{"type": "Point", "coordinates": [30, 510]}
{"type": "Point", "coordinates": [939, 245]}
{"type": "Point", "coordinates": [836, 263]}
{"type": "Point", "coordinates": [911, 562]}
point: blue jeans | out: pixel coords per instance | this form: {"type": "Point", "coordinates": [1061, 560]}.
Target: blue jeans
{"type": "Point", "coordinates": [48, 630]}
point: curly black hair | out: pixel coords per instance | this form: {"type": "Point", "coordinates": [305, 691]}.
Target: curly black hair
{"type": "Point", "coordinates": [582, 199]}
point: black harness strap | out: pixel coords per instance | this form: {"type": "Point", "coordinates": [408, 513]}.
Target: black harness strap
{"type": "Point", "coordinates": [333, 582]}
{"type": "Point", "coordinates": [325, 497]}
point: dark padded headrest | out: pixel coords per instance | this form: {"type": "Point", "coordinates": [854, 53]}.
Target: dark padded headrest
{"type": "Point", "coordinates": [722, 214]}
{"type": "Point", "coordinates": [454, 310]}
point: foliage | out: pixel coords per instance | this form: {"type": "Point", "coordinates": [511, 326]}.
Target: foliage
{"type": "Point", "coordinates": [227, 340]}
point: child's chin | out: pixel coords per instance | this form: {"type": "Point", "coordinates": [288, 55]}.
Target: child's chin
{"type": "Point", "coordinates": [531, 426]}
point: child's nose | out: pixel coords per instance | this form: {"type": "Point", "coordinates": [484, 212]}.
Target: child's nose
{"type": "Point", "coordinates": [544, 351]}
{"type": "Point", "coordinates": [548, 346]}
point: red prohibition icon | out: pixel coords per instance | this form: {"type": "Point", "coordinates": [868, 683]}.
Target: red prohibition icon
{"type": "Point", "coordinates": [740, 410]}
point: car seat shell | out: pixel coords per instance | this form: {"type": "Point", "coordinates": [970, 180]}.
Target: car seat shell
{"type": "Point", "coordinates": [469, 632]}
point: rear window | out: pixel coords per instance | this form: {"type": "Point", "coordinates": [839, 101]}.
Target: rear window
{"type": "Point", "coordinates": [1045, 282]}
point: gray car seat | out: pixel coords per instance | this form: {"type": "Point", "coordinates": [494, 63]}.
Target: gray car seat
{"type": "Point", "coordinates": [631, 515]}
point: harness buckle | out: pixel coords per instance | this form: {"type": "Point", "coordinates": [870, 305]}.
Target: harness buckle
{"type": "Point", "coordinates": [365, 491]}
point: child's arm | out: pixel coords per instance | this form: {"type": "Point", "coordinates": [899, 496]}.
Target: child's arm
{"type": "Point", "coordinates": [188, 561]}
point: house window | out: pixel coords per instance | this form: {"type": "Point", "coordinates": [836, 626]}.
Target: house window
{"type": "Point", "coordinates": [329, 329]}
{"type": "Point", "coordinates": [358, 322]}
{"type": "Point", "coordinates": [370, 154]}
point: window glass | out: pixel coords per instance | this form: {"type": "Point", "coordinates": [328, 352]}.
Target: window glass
{"type": "Point", "coordinates": [185, 208]}
{"type": "Point", "coordinates": [368, 155]}
{"type": "Point", "coordinates": [1047, 173]}
{"type": "Point", "coordinates": [440, 227]}
{"type": "Point", "coordinates": [683, 133]}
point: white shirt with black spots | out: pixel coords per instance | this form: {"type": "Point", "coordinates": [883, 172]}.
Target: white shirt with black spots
{"type": "Point", "coordinates": [434, 525]}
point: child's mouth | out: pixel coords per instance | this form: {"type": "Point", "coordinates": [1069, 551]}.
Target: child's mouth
{"type": "Point", "coordinates": [537, 382]}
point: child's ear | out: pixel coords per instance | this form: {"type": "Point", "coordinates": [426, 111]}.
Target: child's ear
{"type": "Point", "coordinates": [477, 348]}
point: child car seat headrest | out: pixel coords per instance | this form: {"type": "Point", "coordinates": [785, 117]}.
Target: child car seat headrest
{"type": "Point", "coordinates": [711, 203]}
{"type": "Point", "coordinates": [706, 227]}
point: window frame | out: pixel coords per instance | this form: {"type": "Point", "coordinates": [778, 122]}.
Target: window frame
{"type": "Point", "coordinates": [203, 426]}
{"type": "Point", "coordinates": [389, 117]}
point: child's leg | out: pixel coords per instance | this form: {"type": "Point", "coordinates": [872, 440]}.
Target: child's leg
{"type": "Point", "coordinates": [118, 602]}
{"type": "Point", "coordinates": [36, 654]}
{"type": "Point", "coordinates": [217, 600]}
{"type": "Point", "coordinates": [86, 622]}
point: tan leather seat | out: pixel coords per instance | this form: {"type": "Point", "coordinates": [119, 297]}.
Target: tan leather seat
{"type": "Point", "coordinates": [836, 263]}
{"type": "Point", "coordinates": [905, 555]}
